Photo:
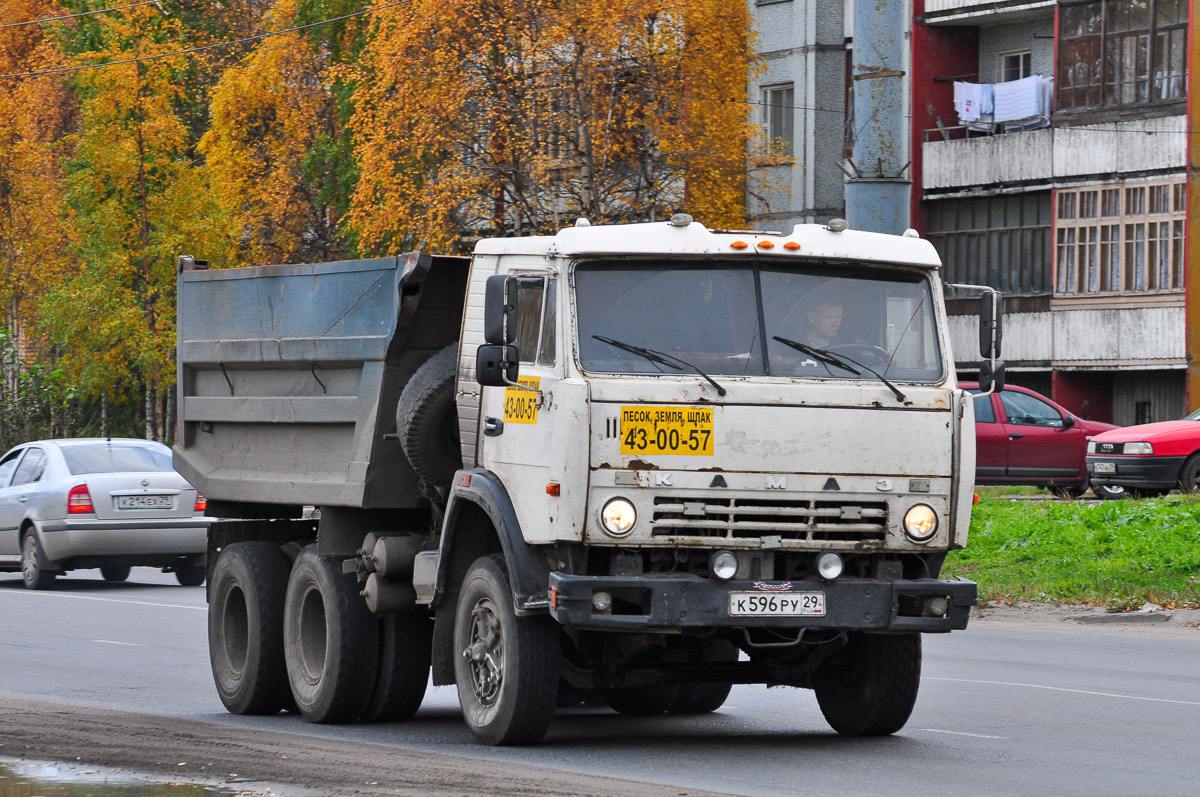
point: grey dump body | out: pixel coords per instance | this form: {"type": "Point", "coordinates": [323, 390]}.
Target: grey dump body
{"type": "Point", "coordinates": [289, 376]}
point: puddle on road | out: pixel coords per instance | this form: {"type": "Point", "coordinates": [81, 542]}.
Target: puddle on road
{"type": "Point", "coordinates": [58, 780]}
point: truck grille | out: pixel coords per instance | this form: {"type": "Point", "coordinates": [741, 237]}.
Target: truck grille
{"type": "Point", "coordinates": [789, 519]}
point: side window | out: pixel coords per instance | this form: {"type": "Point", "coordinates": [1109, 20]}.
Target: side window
{"type": "Point", "coordinates": [1025, 410]}
{"type": "Point", "coordinates": [984, 411]}
{"type": "Point", "coordinates": [536, 318]}
{"type": "Point", "coordinates": [31, 467]}
{"type": "Point", "coordinates": [8, 465]}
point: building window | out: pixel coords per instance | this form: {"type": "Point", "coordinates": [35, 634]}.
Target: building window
{"type": "Point", "coordinates": [1014, 66]}
{"type": "Point", "coordinates": [779, 112]}
{"type": "Point", "coordinates": [1000, 241]}
{"type": "Point", "coordinates": [1120, 239]}
{"type": "Point", "coordinates": [1121, 52]}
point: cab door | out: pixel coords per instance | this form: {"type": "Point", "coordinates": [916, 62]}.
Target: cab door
{"type": "Point", "coordinates": [516, 437]}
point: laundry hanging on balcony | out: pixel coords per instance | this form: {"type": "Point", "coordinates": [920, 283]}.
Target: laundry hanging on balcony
{"type": "Point", "coordinates": [1023, 104]}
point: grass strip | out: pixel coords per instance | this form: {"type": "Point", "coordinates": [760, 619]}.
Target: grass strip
{"type": "Point", "coordinates": [1119, 554]}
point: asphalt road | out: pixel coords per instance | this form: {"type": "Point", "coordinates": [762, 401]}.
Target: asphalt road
{"type": "Point", "coordinates": [1004, 708]}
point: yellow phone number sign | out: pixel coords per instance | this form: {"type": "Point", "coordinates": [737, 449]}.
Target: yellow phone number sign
{"type": "Point", "coordinates": [521, 406]}
{"type": "Point", "coordinates": [686, 431]}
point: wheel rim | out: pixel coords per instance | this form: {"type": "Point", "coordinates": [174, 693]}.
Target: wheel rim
{"type": "Point", "coordinates": [29, 559]}
{"type": "Point", "coordinates": [485, 652]}
{"type": "Point", "coordinates": [236, 631]}
{"type": "Point", "coordinates": [313, 635]}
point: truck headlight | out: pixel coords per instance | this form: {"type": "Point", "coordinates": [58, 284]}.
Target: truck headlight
{"type": "Point", "coordinates": [618, 516]}
{"type": "Point", "coordinates": [1139, 448]}
{"type": "Point", "coordinates": [920, 523]}
{"type": "Point", "coordinates": [723, 565]}
{"type": "Point", "coordinates": [830, 565]}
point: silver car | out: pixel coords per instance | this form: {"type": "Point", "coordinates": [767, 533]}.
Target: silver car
{"type": "Point", "coordinates": [106, 503]}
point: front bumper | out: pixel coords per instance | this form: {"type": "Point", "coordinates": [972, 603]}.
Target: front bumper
{"type": "Point", "coordinates": [65, 539]}
{"type": "Point", "coordinates": [671, 602]}
{"type": "Point", "coordinates": [1150, 471]}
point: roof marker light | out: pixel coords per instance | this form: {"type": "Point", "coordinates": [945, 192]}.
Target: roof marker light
{"type": "Point", "coordinates": [765, 245]}
{"type": "Point", "coordinates": [738, 245]}
{"type": "Point", "coordinates": [681, 220]}
{"type": "Point", "coordinates": [791, 246]}
{"type": "Point", "coordinates": [837, 225]}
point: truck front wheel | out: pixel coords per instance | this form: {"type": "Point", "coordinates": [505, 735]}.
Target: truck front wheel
{"type": "Point", "coordinates": [245, 628]}
{"type": "Point", "coordinates": [506, 667]}
{"type": "Point", "coordinates": [330, 640]}
{"type": "Point", "coordinates": [869, 687]}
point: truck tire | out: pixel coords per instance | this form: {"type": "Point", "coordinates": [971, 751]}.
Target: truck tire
{"type": "Point", "coordinates": [869, 687]}
{"type": "Point", "coordinates": [330, 640]}
{"type": "Point", "coordinates": [706, 698]}
{"type": "Point", "coordinates": [245, 628]}
{"type": "Point", "coordinates": [427, 420]}
{"type": "Point", "coordinates": [506, 667]}
{"type": "Point", "coordinates": [405, 642]}
{"type": "Point", "coordinates": [642, 701]}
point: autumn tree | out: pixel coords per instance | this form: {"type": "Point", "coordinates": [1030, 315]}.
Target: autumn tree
{"type": "Point", "coordinates": [506, 117]}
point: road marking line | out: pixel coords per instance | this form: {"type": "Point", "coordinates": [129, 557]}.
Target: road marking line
{"type": "Point", "coordinates": [1065, 689]}
{"type": "Point", "coordinates": [115, 642]}
{"type": "Point", "coordinates": [961, 733]}
{"type": "Point", "coordinates": [102, 600]}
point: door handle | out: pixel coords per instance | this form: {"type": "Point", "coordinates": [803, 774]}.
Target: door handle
{"type": "Point", "coordinates": [1015, 436]}
{"type": "Point", "coordinates": [492, 427]}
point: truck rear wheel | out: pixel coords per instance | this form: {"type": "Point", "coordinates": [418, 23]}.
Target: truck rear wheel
{"type": "Point", "coordinates": [706, 698]}
{"type": "Point", "coordinates": [869, 687]}
{"type": "Point", "coordinates": [330, 640]}
{"type": "Point", "coordinates": [245, 628]}
{"type": "Point", "coordinates": [642, 701]}
{"type": "Point", "coordinates": [427, 420]}
{"type": "Point", "coordinates": [405, 642]}
{"type": "Point", "coordinates": [506, 667]}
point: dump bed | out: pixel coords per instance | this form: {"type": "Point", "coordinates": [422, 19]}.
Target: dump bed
{"type": "Point", "coordinates": [289, 376]}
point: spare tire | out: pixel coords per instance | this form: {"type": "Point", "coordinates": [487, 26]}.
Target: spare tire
{"type": "Point", "coordinates": [427, 420]}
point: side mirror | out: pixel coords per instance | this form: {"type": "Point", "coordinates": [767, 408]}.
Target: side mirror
{"type": "Point", "coordinates": [499, 311]}
{"type": "Point", "coordinates": [496, 365]}
{"type": "Point", "coordinates": [991, 379]}
{"type": "Point", "coordinates": [1068, 421]}
{"type": "Point", "coordinates": [991, 328]}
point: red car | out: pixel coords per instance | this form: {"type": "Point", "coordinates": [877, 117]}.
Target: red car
{"type": "Point", "coordinates": [1024, 438]}
{"type": "Point", "coordinates": [1149, 459]}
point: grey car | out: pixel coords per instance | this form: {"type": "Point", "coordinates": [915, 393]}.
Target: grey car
{"type": "Point", "coordinates": [107, 503]}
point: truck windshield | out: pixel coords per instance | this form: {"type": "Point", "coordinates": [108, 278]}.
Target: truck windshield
{"type": "Point", "coordinates": [717, 315]}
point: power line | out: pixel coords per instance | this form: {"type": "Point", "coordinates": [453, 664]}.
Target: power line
{"type": "Point", "coordinates": [214, 46]}
{"type": "Point", "coordinates": [80, 14]}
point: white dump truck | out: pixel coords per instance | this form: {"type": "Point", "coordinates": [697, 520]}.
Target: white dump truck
{"type": "Point", "coordinates": [629, 464]}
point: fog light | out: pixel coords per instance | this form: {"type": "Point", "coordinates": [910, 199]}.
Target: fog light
{"type": "Point", "coordinates": [723, 565]}
{"type": "Point", "coordinates": [830, 565]}
{"type": "Point", "coordinates": [936, 606]}
{"type": "Point", "coordinates": [602, 602]}
{"type": "Point", "coordinates": [618, 517]}
{"type": "Point", "coordinates": [920, 523]}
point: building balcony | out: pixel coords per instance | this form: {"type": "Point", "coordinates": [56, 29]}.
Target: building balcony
{"type": "Point", "coordinates": [1042, 157]}
{"type": "Point", "coordinates": [974, 12]}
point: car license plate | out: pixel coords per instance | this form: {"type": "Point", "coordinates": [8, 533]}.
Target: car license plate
{"type": "Point", "coordinates": [780, 604]}
{"type": "Point", "coordinates": [143, 502]}
{"type": "Point", "coordinates": [667, 430]}
{"type": "Point", "coordinates": [1105, 467]}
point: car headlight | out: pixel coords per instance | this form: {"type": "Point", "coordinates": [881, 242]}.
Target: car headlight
{"type": "Point", "coordinates": [1139, 448]}
{"type": "Point", "coordinates": [1091, 449]}
{"type": "Point", "coordinates": [920, 523]}
{"type": "Point", "coordinates": [618, 516]}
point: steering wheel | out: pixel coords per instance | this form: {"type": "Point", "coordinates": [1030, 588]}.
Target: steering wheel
{"type": "Point", "coordinates": [865, 353]}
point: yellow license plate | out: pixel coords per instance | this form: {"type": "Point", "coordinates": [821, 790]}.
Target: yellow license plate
{"type": "Point", "coordinates": [667, 430]}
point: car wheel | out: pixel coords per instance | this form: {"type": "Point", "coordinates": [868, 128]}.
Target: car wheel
{"type": "Point", "coordinates": [191, 571]}
{"type": "Point", "coordinates": [869, 687]}
{"type": "Point", "coordinates": [245, 628]}
{"type": "Point", "coordinates": [505, 667]}
{"type": "Point", "coordinates": [34, 565]}
{"type": "Point", "coordinates": [1110, 492]}
{"type": "Point", "coordinates": [1189, 475]}
{"type": "Point", "coordinates": [330, 640]}
{"type": "Point", "coordinates": [115, 572]}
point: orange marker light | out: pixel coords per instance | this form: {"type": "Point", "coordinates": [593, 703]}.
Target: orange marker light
{"type": "Point", "coordinates": [466, 480]}
{"type": "Point", "coordinates": [765, 245]}
{"type": "Point", "coordinates": [791, 246]}
{"type": "Point", "coordinates": [552, 489]}
{"type": "Point", "coordinates": [976, 500]}
{"type": "Point", "coordinates": [554, 597]}
{"type": "Point", "coordinates": [738, 245]}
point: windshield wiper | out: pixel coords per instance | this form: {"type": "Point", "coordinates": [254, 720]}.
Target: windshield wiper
{"type": "Point", "coordinates": [660, 357]}
{"type": "Point", "coordinates": [830, 358]}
